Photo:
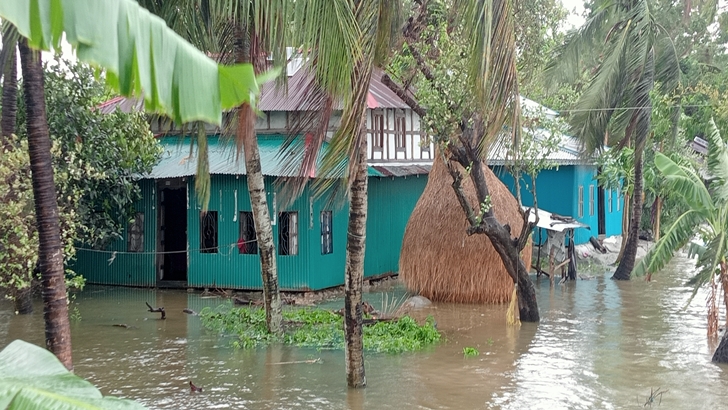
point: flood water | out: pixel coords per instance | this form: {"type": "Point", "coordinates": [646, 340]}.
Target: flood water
{"type": "Point", "coordinates": [601, 344]}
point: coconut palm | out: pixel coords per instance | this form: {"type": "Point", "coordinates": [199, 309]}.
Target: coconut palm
{"type": "Point", "coordinates": [636, 52]}
{"type": "Point", "coordinates": [142, 55]}
{"type": "Point", "coordinates": [376, 25]}
{"type": "Point", "coordinates": [707, 216]}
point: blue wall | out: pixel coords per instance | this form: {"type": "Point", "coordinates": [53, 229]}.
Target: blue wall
{"type": "Point", "coordinates": [557, 191]}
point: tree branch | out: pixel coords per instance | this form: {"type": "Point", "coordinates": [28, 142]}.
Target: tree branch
{"type": "Point", "coordinates": [403, 94]}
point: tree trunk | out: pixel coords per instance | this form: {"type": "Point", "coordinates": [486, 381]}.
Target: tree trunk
{"type": "Point", "coordinates": [245, 135]}
{"type": "Point", "coordinates": [353, 281]}
{"type": "Point", "coordinates": [262, 222]}
{"type": "Point", "coordinates": [721, 353]}
{"type": "Point", "coordinates": [656, 221]}
{"type": "Point", "coordinates": [626, 264]}
{"type": "Point", "coordinates": [625, 226]}
{"type": "Point", "coordinates": [50, 252]}
{"type": "Point", "coordinates": [21, 297]}
{"type": "Point", "coordinates": [500, 237]}
{"type": "Point", "coordinates": [9, 97]}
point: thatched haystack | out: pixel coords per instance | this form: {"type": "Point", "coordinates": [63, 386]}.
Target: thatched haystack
{"type": "Point", "coordinates": [440, 261]}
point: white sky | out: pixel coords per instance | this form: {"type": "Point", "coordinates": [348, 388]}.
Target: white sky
{"type": "Point", "coordinates": [575, 8]}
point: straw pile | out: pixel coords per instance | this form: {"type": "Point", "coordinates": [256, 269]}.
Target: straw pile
{"type": "Point", "coordinates": [440, 261]}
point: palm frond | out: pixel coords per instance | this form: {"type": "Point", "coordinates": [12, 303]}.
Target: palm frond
{"type": "Point", "coordinates": [679, 233]}
{"type": "Point", "coordinates": [10, 37]}
{"type": "Point", "coordinates": [565, 66]}
{"type": "Point", "coordinates": [685, 183]}
{"type": "Point", "coordinates": [328, 34]}
{"type": "Point", "coordinates": [202, 176]}
{"type": "Point", "coordinates": [709, 262]}
{"type": "Point", "coordinates": [603, 95]}
{"type": "Point", "coordinates": [717, 164]}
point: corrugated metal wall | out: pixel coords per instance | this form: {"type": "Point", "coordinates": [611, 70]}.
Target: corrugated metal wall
{"type": "Point", "coordinates": [123, 268]}
{"type": "Point", "coordinates": [391, 201]}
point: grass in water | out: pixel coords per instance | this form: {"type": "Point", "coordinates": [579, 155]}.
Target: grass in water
{"type": "Point", "coordinates": [318, 328]}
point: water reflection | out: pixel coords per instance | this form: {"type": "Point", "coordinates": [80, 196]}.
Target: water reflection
{"type": "Point", "coordinates": [601, 344]}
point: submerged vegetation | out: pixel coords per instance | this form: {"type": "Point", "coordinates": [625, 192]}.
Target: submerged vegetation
{"type": "Point", "coordinates": [319, 328]}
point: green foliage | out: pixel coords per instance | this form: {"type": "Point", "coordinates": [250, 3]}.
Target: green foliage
{"type": "Point", "coordinates": [707, 213]}
{"type": "Point", "coordinates": [18, 231]}
{"type": "Point", "coordinates": [97, 159]}
{"type": "Point", "coordinates": [470, 352]}
{"type": "Point", "coordinates": [33, 378]}
{"type": "Point", "coordinates": [101, 155]}
{"type": "Point", "coordinates": [317, 328]}
{"type": "Point", "coordinates": [140, 53]}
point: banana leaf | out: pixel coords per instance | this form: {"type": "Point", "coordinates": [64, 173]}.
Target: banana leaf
{"type": "Point", "coordinates": [33, 378]}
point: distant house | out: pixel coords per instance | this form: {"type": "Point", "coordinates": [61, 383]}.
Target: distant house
{"type": "Point", "coordinates": [569, 189]}
{"type": "Point", "coordinates": [171, 243]}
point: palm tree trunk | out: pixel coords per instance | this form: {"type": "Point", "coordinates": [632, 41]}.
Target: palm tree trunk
{"type": "Point", "coordinates": [625, 226]}
{"type": "Point", "coordinates": [354, 276]}
{"type": "Point", "coordinates": [261, 220]}
{"type": "Point", "coordinates": [9, 97]}
{"type": "Point", "coordinates": [50, 252]}
{"type": "Point", "coordinates": [245, 134]}
{"type": "Point", "coordinates": [626, 264]}
{"type": "Point", "coordinates": [657, 217]}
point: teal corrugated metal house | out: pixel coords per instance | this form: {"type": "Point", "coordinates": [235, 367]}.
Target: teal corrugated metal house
{"type": "Point", "coordinates": [571, 189]}
{"type": "Point", "coordinates": [170, 243]}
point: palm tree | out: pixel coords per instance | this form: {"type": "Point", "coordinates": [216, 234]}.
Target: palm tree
{"type": "Point", "coordinates": [50, 250]}
{"type": "Point", "coordinates": [375, 24]}
{"type": "Point", "coordinates": [636, 53]}
{"type": "Point", "coordinates": [707, 216]}
{"type": "Point", "coordinates": [169, 84]}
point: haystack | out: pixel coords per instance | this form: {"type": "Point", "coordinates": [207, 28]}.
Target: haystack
{"type": "Point", "coordinates": [440, 261]}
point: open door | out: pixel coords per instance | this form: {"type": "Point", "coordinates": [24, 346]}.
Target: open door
{"type": "Point", "coordinates": [172, 233]}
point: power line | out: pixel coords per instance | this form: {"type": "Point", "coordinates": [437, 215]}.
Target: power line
{"type": "Point", "coordinates": [630, 108]}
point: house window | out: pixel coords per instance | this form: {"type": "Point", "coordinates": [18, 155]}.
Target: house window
{"type": "Point", "coordinates": [136, 233]}
{"type": "Point", "coordinates": [581, 201]}
{"type": "Point", "coordinates": [377, 130]}
{"type": "Point", "coordinates": [619, 200]}
{"type": "Point", "coordinates": [591, 200]}
{"type": "Point", "coordinates": [247, 240]}
{"type": "Point", "coordinates": [400, 132]}
{"type": "Point", "coordinates": [610, 201]}
{"type": "Point", "coordinates": [288, 233]}
{"type": "Point", "coordinates": [327, 242]}
{"type": "Point", "coordinates": [208, 232]}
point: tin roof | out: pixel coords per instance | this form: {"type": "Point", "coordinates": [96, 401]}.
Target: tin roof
{"type": "Point", "coordinates": [178, 160]}
{"type": "Point", "coordinates": [299, 90]}
{"type": "Point", "coordinates": [401, 170]}
{"type": "Point", "coordinates": [567, 153]}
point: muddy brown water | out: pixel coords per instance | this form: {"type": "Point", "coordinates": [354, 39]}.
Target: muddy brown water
{"type": "Point", "coordinates": [601, 344]}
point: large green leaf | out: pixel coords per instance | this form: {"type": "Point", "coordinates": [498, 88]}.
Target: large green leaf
{"type": "Point", "coordinates": [685, 183]}
{"type": "Point", "coordinates": [33, 378]}
{"type": "Point", "coordinates": [140, 53]}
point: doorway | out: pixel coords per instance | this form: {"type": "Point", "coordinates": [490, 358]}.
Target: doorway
{"type": "Point", "coordinates": [602, 226]}
{"type": "Point", "coordinates": [172, 232]}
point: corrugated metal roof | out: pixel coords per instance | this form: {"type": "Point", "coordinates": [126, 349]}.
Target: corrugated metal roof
{"type": "Point", "coordinates": [123, 104]}
{"type": "Point", "coordinates": [177, 160]}
{"type": "Point", "coordinates": [567, 153]}
{"type": "Point", "coordinates": [295, 98]}
{"type": "Point", "coordinates": [402, 170]}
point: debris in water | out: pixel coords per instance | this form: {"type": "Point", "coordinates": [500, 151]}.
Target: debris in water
{"type": "Point", "coordinates": [195, 389]}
